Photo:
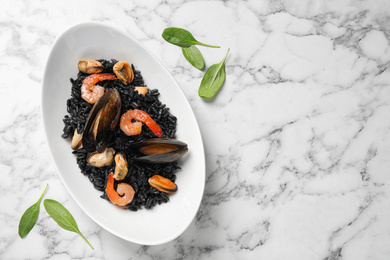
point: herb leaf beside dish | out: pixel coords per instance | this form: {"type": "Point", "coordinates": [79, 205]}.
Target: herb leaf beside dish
{"type": "Point", "coordinates": [56, 210]}
{"type": "Point", "coordinates": [215, 75]}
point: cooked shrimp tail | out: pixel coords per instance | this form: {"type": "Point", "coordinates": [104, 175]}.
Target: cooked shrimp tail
{"type": "Point", "coordinates": [123, 194]}
{"type": "Point", "coordinates": [135, 128]}
{"type": "Point", "coordinates": [91, 92]}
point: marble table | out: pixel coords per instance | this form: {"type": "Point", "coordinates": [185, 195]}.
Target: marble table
{"type": "Point", "coordinates": [297, 141]}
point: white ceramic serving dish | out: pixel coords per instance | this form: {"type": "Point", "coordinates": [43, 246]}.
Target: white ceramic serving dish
{"type": "Point", "coordinates": [164, 222]}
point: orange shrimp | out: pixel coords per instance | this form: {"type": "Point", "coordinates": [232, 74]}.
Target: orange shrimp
{"type": "Point", "coordinates": [130, 128]}
{"type": "Point", "coordinates": [123, 195]}
{"type": "Point", "coordinates": [91, 92]}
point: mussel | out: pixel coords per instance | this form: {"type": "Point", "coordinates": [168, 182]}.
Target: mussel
{"type": "Point", "coordinates": [105, 158]}
{"type": "Point", "coordinates": [161, 150]}
{"type": "Point", "coordinates": [121, 167]}
{"type": "Point", "coordinates": [162, 184]}
{"type": "Point", "coordinates": [123, 72]}
{"type": "Point", "coordinates": [90, 66]}
{"type": "Point", "coordinates": [102, 121]}
{"type": "Point", "coordinates": [77, 140]}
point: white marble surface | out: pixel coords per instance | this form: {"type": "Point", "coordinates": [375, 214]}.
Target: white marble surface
{"type": "Point", "coordinates": [297, 141]}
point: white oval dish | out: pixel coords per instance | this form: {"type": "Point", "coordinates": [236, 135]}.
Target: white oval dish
{"type": "Point", "coordinates": [164, 222]}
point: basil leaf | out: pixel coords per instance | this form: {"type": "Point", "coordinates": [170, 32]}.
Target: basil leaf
{"type": "Point", "coordinates": [29, 217]}
{"type": "Point", "coordinates": [181, 37]}
{"type": "Point", "coordinates": [213, 79]}
{"type": "Point", "coordinates": [63, 217]}
{"type": "Point", "coordinates": [193, 55]}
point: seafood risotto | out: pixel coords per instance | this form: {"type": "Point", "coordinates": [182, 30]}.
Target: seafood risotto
{"type": "Point", "coordinates": [122, 135]}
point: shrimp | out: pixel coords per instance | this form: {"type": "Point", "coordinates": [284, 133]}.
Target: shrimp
{"type": "Point", "coordinates": [123, 195]}
{"type": "Point", "coordinates": [130, 128]}
{"type": "Point", "coordinates": [91, 92]}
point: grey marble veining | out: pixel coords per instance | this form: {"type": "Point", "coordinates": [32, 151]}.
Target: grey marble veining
{"type": "Point", "coordinates": [297, 141]}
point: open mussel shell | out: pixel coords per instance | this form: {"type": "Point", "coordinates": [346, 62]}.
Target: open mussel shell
{"type": "Point", "coordinates": [101, 121]}
{"type": "Point", "coordinates": [160, 150]}
{"type": "Point", "coordinates": [123, 72]}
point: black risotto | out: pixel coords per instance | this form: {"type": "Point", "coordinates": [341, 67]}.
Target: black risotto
{"type": "Point", "coordinates": [139, 173]}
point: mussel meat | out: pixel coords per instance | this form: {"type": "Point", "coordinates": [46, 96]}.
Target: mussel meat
{"type": "Point", "coordinates": [77, 140]}
{"type": "Point", "coordinates": [161, 150]}
{"type": "Point", "coordinates": [162, 184]}
{"type": "Point", "coordinates": [123, 72]}
{"type": "Point", "coordinates": [105, 158]}
{"type": "Point", "coordinates": [121, 167]}
{"type": "Point", "coordinates": [102, 121]}
{"type": "Point", "coordinates": [90, 66]}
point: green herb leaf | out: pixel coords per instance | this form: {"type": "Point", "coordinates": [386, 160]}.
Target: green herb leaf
{"type": "Point", "coordinates": [63, 217]}
{"type": "Point", "coordinates": [181, 37]}
{"type": "Point", "coordinates": [193, 55]}
{"type": "Point", "coordinates": [29, 217]}
{"type": "Point", "coordinates": [213, 79]}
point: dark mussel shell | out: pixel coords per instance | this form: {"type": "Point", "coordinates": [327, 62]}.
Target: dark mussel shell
{"type": "Point", "coordinates": [160, 150]}
{"type": "Point", "coordinates": [102, 121]}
